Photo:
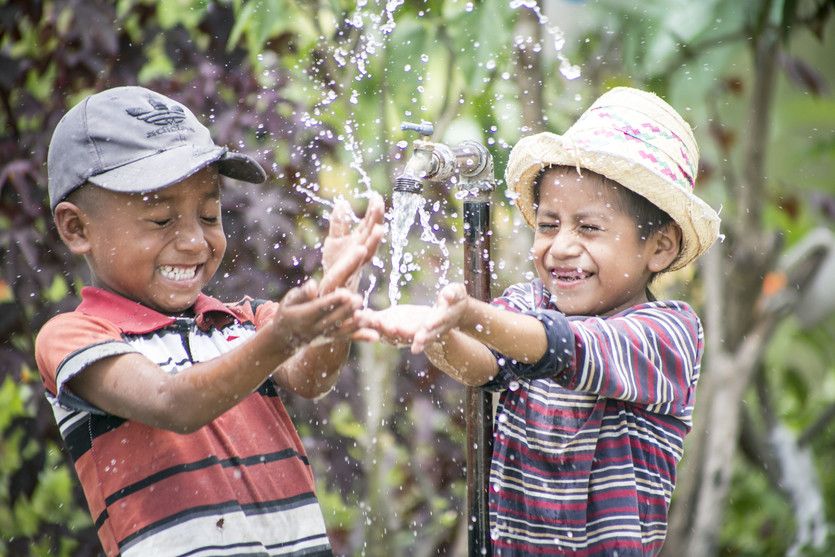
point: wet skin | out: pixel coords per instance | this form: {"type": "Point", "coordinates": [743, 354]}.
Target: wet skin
{"type": "Point", "coordinates": [159, 248]}
{"type": "Point", "coordinates": [587, 251]}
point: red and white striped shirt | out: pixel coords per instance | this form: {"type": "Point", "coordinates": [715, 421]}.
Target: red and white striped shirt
{"type": "Point", "coordinates": [587, 440]}
{"type": "Point", "coordinates": [241, 484]}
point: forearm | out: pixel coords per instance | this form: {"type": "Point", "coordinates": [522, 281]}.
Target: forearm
{"type": "Point", "coordinates": [184, 401]}
{"type": "Point", "coordinates": [463, 358]}
{"type": "Point", "coordinates": [223, 382]}
{"type": "Point", "coordinates": [514, 335]}
{"type": "Point", "coordinates": [314, 370]}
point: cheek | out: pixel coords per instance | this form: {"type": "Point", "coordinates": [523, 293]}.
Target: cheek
{"type": "Point", "coordinates": [217, 241]}
{"type": "Point", "coordinates": [540, 247]}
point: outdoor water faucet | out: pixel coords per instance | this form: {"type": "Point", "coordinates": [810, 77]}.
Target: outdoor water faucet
{"type": "Point", "coordinates": [469, 165]}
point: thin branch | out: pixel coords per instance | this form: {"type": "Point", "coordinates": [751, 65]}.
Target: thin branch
{"type": "Point", "coordinates": [691, 51]}
{"type": "Point", "coordinates": [818, 427]}
{"type": "Point", "coordinates": [751, 195]}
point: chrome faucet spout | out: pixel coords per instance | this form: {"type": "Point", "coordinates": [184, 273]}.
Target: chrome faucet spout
{"type": "Point", "coordinates": [468, 165]}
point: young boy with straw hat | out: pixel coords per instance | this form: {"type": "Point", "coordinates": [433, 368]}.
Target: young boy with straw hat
{"type": "Point", "coordinates": [597, 378]}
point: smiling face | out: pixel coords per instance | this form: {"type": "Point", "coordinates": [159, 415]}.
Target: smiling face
{"type": "Point", "coordinates": [159, 248]}
{"type": "Point", "coordinates": [588, 249]}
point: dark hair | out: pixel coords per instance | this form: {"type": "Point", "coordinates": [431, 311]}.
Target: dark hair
{"type": "Point", "coordinates": [648, 217]}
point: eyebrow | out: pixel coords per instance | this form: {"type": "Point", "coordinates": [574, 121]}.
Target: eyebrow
{"type": "Point", "coordinates": [593, 214]}
{"type": "Point", "coordinates": [581, 215]}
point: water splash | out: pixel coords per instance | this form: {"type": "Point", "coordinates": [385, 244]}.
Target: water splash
{"type": "Point", "coordinates": [567, 69]}
{"type": "Point", "coordinates": [428, 235]}
{"type": "Point", "coordinates": [405, 206]}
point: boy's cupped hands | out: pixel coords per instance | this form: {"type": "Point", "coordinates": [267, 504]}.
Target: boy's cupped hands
{"type": "Point", "coordinates": [318, 312]}
{"type": "Point", "coordinates": [415, 325]}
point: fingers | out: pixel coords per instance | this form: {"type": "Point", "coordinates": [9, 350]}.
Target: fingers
{"type": "Point", "coordinates": [373, 240]}
{"type": "Point", "coordinates": [341, 219]}
{"type": "Point", "coordinates": [376, 209]}
{"type": "Point", "coordinates": [365, 335]}
{"type": "Point", "coordinates": [300, 294]}
{"type": "Point", "coordinates": [370, 230]}
{"type": "Point", "coordinates": [331, 314]}
{"type": "Point", "coordinates": [430, 332]}
{"type": "Point", "coordinates": [385, 325]}
{"type": "Point", "coordinates": [452, 292]}
{"type": "Point", "coordinates": [349, 263]}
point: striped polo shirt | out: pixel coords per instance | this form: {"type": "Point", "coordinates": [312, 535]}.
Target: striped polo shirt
{"type": "Point", "coordinates": [587, 440]}
{"type": "Point", "coordinates": [241, 485]}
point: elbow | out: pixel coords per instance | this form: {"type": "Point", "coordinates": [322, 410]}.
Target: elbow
{"type": "Point", "coordinates": [470, 381]}
{"type": "Point", "coordinates": [178, 415]}
{"type": "Point", "coordinates": [314, 390]}
{"type": "Point", "coordinates": [185, 427]}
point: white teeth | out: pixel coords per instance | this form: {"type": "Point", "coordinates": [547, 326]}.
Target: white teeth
{"type": "Point", "coordinates": [177, 273]}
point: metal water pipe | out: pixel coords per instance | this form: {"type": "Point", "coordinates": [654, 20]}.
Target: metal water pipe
{"type": "Point", "coordinates": [468, 167]}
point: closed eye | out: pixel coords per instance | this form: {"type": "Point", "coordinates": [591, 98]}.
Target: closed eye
{"type": "Point", "coordinates": [161, 222]}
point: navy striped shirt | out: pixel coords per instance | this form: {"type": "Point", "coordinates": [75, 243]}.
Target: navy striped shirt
{"type": "Point", "coordinates": [587, 440]}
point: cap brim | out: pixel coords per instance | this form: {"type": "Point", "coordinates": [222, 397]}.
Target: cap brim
{"type": "Point", "coordinates": [241, 167]}
{"type": "Point", "coordinates": [166, 168]}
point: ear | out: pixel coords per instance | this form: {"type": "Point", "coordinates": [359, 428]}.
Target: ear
{"type": "Point", "coordinates": [73, 227]}
{"type": "Point", "coordinates": [666, 245]}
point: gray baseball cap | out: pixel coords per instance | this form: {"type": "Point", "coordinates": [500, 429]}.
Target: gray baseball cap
{"type": "Point", "coordinates": [133, 140]}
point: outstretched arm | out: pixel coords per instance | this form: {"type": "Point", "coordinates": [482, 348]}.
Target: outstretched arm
{"type": "Point", "coordinates": [131, 386]}
{"type": "Point", "coordinates": [458, 331]}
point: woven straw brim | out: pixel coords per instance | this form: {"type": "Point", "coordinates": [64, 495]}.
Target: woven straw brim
{"type": "Point", "coordinates": [698, 221]}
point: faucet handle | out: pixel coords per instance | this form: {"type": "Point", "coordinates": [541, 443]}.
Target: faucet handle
{"type": "Point", "coordinates": [424, 128]}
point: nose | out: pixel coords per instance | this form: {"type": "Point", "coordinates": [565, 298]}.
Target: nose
{"type": "Point", "coordinates": [189, 235]}
{"type": "Point", "coordinates": [565, 244]}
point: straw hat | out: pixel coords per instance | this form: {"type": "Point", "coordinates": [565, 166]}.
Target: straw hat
{"type": "Point", "coordinates": [636, 139]}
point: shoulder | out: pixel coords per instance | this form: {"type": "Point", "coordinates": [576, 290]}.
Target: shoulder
{"type": "Point", "coordinates": [667, 321]}
{"type": "Point", "coordinates": [666, 311]}
{"type": "Point", "coordinates": [76, 325]}
{"type": "Point", "coordinates": [72, 333]}
{"type": "Point", "coordinates": [658, 317]}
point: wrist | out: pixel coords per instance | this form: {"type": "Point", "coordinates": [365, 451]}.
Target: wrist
{"type": "Point", "coordinates": [474, 320]}
{"type": "Point", "coordinates": [284, 342]}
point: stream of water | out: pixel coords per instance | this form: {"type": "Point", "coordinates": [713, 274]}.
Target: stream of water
{"type": "Point", "coordinates": [376, 20]}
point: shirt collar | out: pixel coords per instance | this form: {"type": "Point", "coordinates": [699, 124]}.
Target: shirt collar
{"type": "Point", "coordinates": [134, 318]}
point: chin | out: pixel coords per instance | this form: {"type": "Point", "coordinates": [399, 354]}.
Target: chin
{"type": "Point", "coordinates": [175, 306]}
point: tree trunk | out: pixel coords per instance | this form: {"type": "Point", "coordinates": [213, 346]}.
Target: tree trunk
{"type": "Point", "coordinates": [735, 334]}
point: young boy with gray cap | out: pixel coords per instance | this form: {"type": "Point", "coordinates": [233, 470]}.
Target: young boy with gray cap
{"type": "Point", "coordinates": [166, 398]}
{"type": "Point", "coordinates": [597, 378]}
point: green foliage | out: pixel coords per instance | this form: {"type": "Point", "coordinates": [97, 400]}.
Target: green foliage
{"type": "Point", "coordinates": [319, 89]}
{"type": "Point", "coordinates": [759, 524]}
{"type": "Point", "coordinates": [52, 503]}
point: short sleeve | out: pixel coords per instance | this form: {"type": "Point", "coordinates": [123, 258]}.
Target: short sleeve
{"type": "Point", "coordinates": [67, 345]}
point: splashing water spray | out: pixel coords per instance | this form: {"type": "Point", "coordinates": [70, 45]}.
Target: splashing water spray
{"type": "Point", "coordinates": [469, 168]}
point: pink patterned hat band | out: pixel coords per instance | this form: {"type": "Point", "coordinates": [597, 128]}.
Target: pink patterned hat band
{"type": "Point", "coordinates": [630, 134]}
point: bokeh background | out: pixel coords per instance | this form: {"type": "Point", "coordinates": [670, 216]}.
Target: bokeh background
{"type": "Point", "coordinates": [317, 90]}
